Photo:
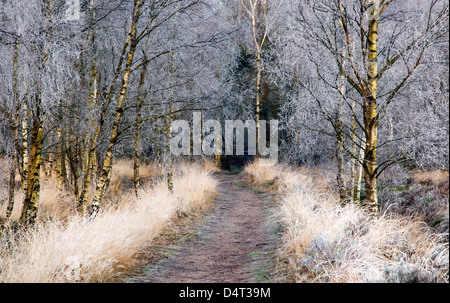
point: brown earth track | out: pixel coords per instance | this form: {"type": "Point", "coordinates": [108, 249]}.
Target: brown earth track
{"type": "Point", "coordinates": [231, 245]}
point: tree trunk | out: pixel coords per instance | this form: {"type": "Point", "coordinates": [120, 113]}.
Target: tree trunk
{"type": "Point", "coordinates": [356, 193]}
{"type": "Point", "coordinates": [137, 138]}
{"type": "Point", "coordinates": [168, 156]}
{"type": "Point", "coordinates": [15, 130]}
{"type": "Point", "coordinates": [340, 178]}
{"type": "Point", "coordinates": [168, 128]}
{"type": "Point", "coordinates": [12, 184]}
{"type": "Point", "coordinates": [82, 200]}
{"type": "Point", "coordinates": [370, 115]}
{"type": "Point", "coordinates": [31, 201]}
{"type": "Point", "coordinates": [73, 151]}
{"type": "Point", "coordinates": [60, 160]}
{"type": "Point", "coordinates": [354, 163]}
{"type": "Point", "coordinates": [218, 151]}
{"type": "Point", "coordinates": [257, 12]}
{"type": "Point", "coordinates": [106, 168]}
{"type": "Point", "coordinates": [92, 142]}
{"type": "Point", "coordinates": [258, 98]}
{"type": "Point", "coordinates": [25, 145]}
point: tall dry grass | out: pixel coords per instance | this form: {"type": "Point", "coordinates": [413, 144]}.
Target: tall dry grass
{"type": "Point", "coordinates": [324, 242]}
{"type": "Point", "coordinates": [100, 250]}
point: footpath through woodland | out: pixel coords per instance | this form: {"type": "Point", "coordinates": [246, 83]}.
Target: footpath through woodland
{"type": "Point", "coordinates": [234, 243]}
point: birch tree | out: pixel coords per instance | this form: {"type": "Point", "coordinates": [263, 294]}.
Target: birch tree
{"type": "Point", "coordinates": [435, 27]}
{"type": "Point", "coordinates": [384, 54]}
{"type": "Point", "coordinates": [257, 12]}
{"type": "Point", "coordinates": [131, 39]}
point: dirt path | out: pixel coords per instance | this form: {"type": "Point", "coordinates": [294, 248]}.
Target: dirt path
{"type": "Point", "coordinates": [233, 244]}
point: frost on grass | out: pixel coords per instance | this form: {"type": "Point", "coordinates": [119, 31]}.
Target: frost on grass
{"type": "Point", "coordinates": [324, 242]}
{"type": "Point", "coordinates": [99, 250]}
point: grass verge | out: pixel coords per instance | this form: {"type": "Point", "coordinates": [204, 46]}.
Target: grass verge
{"type": "Point", "coordinates": [324, 242]}
{"type": "Point", "coordinates": [73, 249]}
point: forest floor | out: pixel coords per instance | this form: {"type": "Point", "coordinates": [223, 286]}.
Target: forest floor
{"type": "Point", "coordinates": [234, 242]}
